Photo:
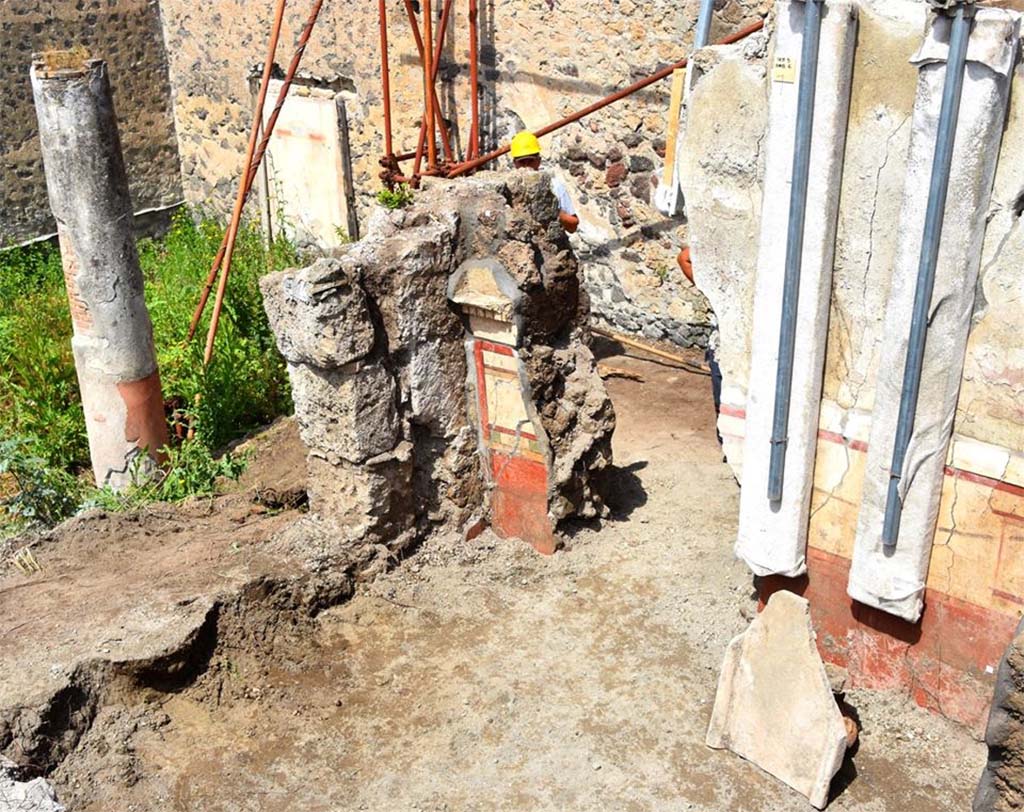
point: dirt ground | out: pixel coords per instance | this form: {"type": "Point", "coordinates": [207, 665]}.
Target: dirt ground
{"type": "Point", "coordinates": [476, 675]}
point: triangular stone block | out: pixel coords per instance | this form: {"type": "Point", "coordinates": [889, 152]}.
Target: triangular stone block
{"type": "Point", "coordinates": [774, 705]}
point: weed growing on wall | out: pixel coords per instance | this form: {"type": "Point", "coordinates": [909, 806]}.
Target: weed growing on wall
{"type": "Point", "coordinates": [397, 198]}
{"type": "Point", "coordinates": [244, 387]}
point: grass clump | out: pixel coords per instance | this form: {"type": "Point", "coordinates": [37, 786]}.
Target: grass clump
{"type": "Point", "coordinates": [245, 385]}
{"type": "Point", "coordinates": [191, 470]}
{"type": "Point", "coordinates": [397, 198]}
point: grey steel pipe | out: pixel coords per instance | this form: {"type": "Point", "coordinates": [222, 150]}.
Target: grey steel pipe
{"type": "Point", "coordinates": [703, 35]}
{"type": "Point", "coordinates": [794, 245]}
{"type": "Point", "coordinates": [945, 140]}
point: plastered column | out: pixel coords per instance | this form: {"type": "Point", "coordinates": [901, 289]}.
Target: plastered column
{"type": "Point", "coordinates": [772, 537]}
{"type": "Point", "coordinates": [113, 335]}
{"type": "Point", "coordinates": [895, 582]}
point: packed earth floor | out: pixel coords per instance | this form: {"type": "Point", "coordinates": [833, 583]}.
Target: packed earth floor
{"type": "Point", "coordinates": [473, 676]}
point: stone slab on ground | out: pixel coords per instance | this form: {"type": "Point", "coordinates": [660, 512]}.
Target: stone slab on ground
{"type": "Point", "coordinates": [774, 705]}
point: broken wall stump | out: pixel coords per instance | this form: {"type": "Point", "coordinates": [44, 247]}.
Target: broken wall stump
{"type": "Point", "coordinates": [113, 336]}
{"type": "Point", "coordinates": [440, 369]}
{"type": "Point", "coordinates": [1001, 788]}
{"type": "Point", "coordinates": [774, 705]}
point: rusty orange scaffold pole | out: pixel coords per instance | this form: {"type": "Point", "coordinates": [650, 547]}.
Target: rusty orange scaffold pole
{"type": "Point", "coordinates": [468, 166]}
{"type": "Point", "coordinates": [473, 148]}
{"type": "Point", "coordinates": [236, 215]}
{"type": "Point", "coordinates": [385, 77]}
{"type": "Point", "coordinates": [442, 31]}
{"type": "Point", "coordinates": [268, 131]}
{"type": "Point", "coordinates": [428, 82]}
{"type": "Point", "coordinates": [438, 118]}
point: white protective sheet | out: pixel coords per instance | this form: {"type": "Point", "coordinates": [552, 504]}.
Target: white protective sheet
{"type": "Point", "coordinates": [895, 582]}
{"type": "Point", "coordinates": [772, 538]}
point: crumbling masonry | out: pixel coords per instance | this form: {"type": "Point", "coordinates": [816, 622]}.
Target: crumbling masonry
{"type": "Point", "coordinates": [398, 423]}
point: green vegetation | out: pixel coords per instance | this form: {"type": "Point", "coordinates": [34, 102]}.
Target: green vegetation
{"type": "Point", "coordinates": [33, 492]}
{"type": "Point", "coordinates": [244, 387]}
{"type": "Point", "coordinates": [190, 470]}
{"type": "Point", "coordinates": [397, 198]}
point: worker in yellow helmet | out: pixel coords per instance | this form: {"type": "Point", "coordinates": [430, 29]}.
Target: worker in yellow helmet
{"type": "Point", "coordinates": [526, 155]}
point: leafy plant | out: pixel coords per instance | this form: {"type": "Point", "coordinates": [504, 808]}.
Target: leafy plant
{"type": "Point", "coordinates": [397, 198]}
{"type": "Point", "coordinates": [190, 470]}
{"type": "Point", "coordinates": [31, 491]}
{"type": "Point", "coordinates": [38, 386]}
{"type": "Point", "coordinates": [245, 386]}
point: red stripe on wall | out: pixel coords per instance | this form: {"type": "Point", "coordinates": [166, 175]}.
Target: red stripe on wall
{"type": "Point", "coordinates": [835, 437]}
{"type": "Point", "coordinates": [500, 349]}
{"type": "Point", "coordinates": [979, 479]}
{"type": "Point", "coordinates": [861, 445]}
{"type": "Point", "coordinates": [524, 434]}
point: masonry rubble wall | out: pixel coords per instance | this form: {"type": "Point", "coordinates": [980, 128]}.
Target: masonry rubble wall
{"type": "Point", "coordinates": [377, 359]}
{"type": "Point", "coordinates": [1001, 788]}
{"type": "Point", "coordinates": [974, 589]}
{"type": "Point", "coordinates": [127, 34]}
{"type": "Point", "coordinates": [539, 62]}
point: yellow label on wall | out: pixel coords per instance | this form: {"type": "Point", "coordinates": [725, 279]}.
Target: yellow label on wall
{"type": "Point", "coordinates": [784, 69]}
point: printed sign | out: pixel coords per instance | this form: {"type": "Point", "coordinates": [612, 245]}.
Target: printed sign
{"type": "Point", "coordinates": [784, 69]}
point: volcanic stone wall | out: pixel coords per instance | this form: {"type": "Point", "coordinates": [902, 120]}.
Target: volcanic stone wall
{"type": "Point", "coordinates": [541, 60]}
{"type": "Point", "coordinates": [377, 357]}
{"type": "Point", "coordinates": [127, 35]}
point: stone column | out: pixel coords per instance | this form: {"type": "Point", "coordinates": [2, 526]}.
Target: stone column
{"type": "Point", "coordinates": [113, 336]}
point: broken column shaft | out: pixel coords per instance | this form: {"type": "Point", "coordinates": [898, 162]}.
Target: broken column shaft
{"type": "Point", "coordinates": [113, 336]}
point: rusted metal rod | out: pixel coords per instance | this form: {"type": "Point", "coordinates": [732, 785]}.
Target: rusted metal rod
{"type": "Point", "coordinates": [268, 131]}
{"type": "Point", "coordinates": [384, 77]}
{"type": "Point", "coordinates": [469, 166]}
{"type": "Point", "coordinates": [446, 142]}
{"type": "Point", "coordinates": [438, 118]}
{"type": "Point", "coordinates": [428, 82]}
{"type": "Point", "coordinates": [420, 146]}
{"type": "Point", "coordinates": [473, 148]}
{"type": "Point", "coordinates": [442, 32]}
{"type": "Point", "coordinates": [236, 215]}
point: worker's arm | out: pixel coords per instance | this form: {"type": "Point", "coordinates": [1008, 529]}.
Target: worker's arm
{"type": "Point", "coordinates": [570, 222]}
{"type": "Point", "coordinates": [684, 263]}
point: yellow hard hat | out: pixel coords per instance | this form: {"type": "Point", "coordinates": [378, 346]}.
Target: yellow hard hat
{"type": "Point", "coordinates": [525, 144]}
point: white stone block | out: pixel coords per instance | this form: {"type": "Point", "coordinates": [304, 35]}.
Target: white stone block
{"type": "Point", "coordinates": [774, 705]}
